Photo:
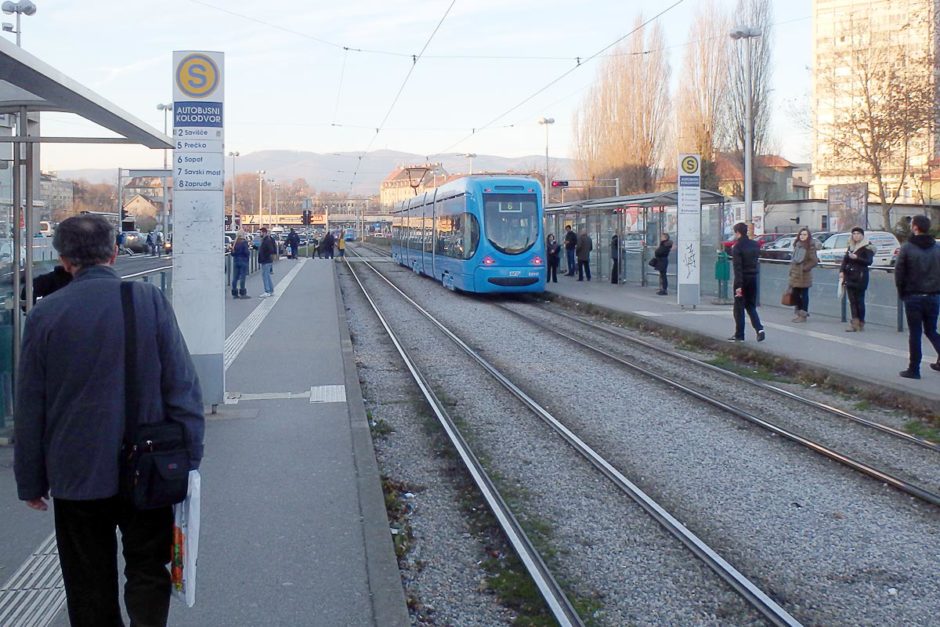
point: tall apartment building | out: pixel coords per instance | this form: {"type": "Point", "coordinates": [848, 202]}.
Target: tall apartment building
{"type": "Point", "coordinates": [864, 50]}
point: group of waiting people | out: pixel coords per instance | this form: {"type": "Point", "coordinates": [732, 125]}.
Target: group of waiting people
{"type": "Point", "coordinates": [916, 277]}
{"type": "Point", "coordinates": [578, 249]}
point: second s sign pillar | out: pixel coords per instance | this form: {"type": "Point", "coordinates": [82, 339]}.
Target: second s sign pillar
{"type": "Point", "coordinates": [689, 212]}
{"type": "Point", "coordinates": [199, 213]}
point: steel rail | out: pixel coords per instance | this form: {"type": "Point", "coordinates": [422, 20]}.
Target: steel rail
{"type": "Point", "coordinates": [756, 597]}
{"type": "Point", "coordinates": [760, 384]}
{"type": "Point", "coordinates": [559, 604]}
{"type": "Point", "coordinates": [900, 484]}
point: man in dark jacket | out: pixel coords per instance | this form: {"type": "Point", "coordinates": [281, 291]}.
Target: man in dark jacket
{"type": "Point", "coordinates": [571, 242]}
{"type": "Point", "coordinates": [917, 277]}
{"type": "Point", "coordinates": [583, 249]}
{"type": "Point", "coordinates": [70, 425]}
{"type": "Point", "coordinates": [744, 258]}
{"type": "Point", "coordinates": [266, 252]}
{"type": "Point", "coordinates": [293, 241]}
{"type": "Point", "coordinates": [661, 255]}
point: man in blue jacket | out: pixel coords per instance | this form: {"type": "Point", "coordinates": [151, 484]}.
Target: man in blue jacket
{"type": "Point", "coordinates": [917, 277]}
{"type": "Point", "coordinates": [69, 426]}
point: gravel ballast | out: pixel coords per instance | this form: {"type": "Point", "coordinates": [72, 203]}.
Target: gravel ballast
{"type": "Point", "coordinates": [832, 546]}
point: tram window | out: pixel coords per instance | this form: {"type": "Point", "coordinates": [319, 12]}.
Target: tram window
{"type": "Point", "coordinates": [511, 221]}
{"type": "Point", "coordinates": [471, 236]}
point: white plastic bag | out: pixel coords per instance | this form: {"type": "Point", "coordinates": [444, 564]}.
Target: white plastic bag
{"type": "Point", "coordinates": [841, 290]}
{"type": "Point", "coordinates": [186, 543]}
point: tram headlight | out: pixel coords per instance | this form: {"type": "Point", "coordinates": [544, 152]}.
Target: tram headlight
{"type": "Point", "coordinates": [488, 261]}
{"type": "Point", "coordinates": [536, 261]}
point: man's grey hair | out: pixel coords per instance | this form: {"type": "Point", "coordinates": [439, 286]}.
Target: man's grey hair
{"type": "Point", "coordinates": [85, 240]}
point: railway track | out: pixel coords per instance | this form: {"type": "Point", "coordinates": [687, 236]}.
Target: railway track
{"type": "Point", "coordinates": [922, 483]}
{"type": "Point", "coordinates": [647, 359]}
{"type": "Point", "coordinates": [554, 596]}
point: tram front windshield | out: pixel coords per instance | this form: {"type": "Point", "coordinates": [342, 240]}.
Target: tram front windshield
{"type": "Point", "coordinates": [511, 221]}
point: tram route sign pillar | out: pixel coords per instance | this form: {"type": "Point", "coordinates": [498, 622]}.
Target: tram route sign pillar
{"type": "Point", "coordinates": [689, 213]}
{"type": "Point", "coordinates": [199, 213]}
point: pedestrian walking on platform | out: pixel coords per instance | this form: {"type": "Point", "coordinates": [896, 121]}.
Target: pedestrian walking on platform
{"type": "Point", "coordinates": [553, 250]}
{"type": "Point", "coordinates": [241, 255]}
{"type": "Point", "coordinates": [583, 252]}
{"type": "Point", "coordinates": [266, 253]}
{"type": "Point", "coordinates": [917, 277]}
{"type": "Point", "coordinates": [571, 243]}
{"type": "Point", "coordinates": [744, 259]}
{"type": "Point", "coordinates": [158, 243]}
{"type": "Point", "coordinates": [293, 242]}
{"type": "Point", "coordinates": [615, 259]}
{"type": "Point", "coordinates": [661, 255]}
{"type": "Point", "coordinates": [341, 244]}
{"type": "Point", "coordinates": [151, 248]}
{"type": "Point", "coordinates": [70, 424]}
{"type": "Point", "coordinates": [801, 273]}
{"type": "Point", "coordinates": [853, 273]}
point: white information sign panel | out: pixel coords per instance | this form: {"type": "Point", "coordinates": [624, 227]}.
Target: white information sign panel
{"type": "Point", "coordinates": [689, 214]}
{"type": "Point", "coordinates": [199, 208]}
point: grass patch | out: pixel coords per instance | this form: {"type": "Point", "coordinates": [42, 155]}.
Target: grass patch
{"type": "Point", "coordinates": [380, 428]}
{"type": "Point", "coordinates": [862, 405]}
{"type": "Point", "coordinates": [930, 432]}
{"type": "Point", "coordinates": [398, 508]}
{"type": "Point", "coordinates": [752, 371]}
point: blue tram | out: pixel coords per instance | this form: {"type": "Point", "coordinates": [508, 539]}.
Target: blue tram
{"type": "Point", "coordinates": [475, 234]}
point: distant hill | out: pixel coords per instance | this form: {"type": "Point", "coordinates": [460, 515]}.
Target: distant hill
{"type": "Point", "coordinates": [331, 172]}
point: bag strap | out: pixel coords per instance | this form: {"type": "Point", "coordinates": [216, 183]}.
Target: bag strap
{"type": "Point", "coordinates": [130, 362]}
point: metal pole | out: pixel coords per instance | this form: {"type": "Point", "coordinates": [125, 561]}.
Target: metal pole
{"type": "Point", "coordinates": [18, 30]}
{"type": "Point", "coordinates": [617, 182]}
{"type": "Point", "coordinates": [260, 198]}
{"type": "Point", "coordinates": [28, 215]}
{"type": "Point", "coordinates": [17, 244]}
{"type": "Point", "coordinates": [233, 192]}
{"type": "Point", "coordinates": [748, 139]}
{"type": "Point", "coordinates": [545, 200]}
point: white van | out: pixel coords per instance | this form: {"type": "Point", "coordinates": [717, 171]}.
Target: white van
{"type": "Point", "coordinates": [886, 245]}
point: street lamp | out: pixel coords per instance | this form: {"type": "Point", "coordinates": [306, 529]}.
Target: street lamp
{"type": "Point", "coordinates": [747, 33]}
{"type": "Point", "coordinates": [260, 196]}
{"type": "Point", "coordinates": [546, 122]}
{"type": "Point", "coordinates": [165, 108]}
{"type": "Point", "coordinates": [470, 156]}
{"type": "Point", "coordinates": [23, 7]}
{"type": "Point", "coordinates": [233, 155]}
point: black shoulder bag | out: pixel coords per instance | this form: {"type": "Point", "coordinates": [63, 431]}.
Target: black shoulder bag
{"type": "Point", "coordinates": [155, 460]}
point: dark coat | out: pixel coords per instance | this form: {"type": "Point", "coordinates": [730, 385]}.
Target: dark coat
{"type": "Point", "coordinates": [917, 270]}
{"type": "Point", "coordinates": [745, 255]}
{"type": "Point", "coordinates": [584, 247]}
{"type": "Point", "coordinates": [661, 254]}
{"type": "Point", "coordinates": [571, 240]}
{"type": "Point", "coordinates": [553, 250]}
{"type": "Point", "coordinates": [267, 250]}
{"type": "Point", "coordinates": [855, 271]}
{"type": "Point", "coordinates": [69, 386]}
{"type": "Point", "coordinates": [241, 253]}
{"type": "Point", "coordinates": [615, 248]}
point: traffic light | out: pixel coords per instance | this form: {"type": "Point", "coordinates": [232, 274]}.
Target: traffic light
{"type": "Point", "coordinates": [559, 183]}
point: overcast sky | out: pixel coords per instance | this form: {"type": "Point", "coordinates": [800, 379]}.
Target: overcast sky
{"type": "Point", "coordinates": [322, 76]}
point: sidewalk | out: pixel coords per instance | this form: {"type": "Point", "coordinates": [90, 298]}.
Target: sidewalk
{"type": "Point", "coordinates": [294, 530]}
{"type": "Point", "coordinates": [873, 357]}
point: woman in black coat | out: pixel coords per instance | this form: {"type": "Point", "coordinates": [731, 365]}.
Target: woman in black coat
{"type": "Point", "coordinates": [854, 275]}
{"type": "Point", "coordinates": [662, 262]}
{"type": "Point", "coordinates": [553, 250]}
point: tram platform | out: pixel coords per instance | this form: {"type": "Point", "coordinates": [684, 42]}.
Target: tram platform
{"type": "Point", "coordinates": [294, 529]}
{"type": "Point", "coordinates": [872, 358]}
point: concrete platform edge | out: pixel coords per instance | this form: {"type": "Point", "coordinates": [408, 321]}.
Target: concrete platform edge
{"type": "Point", "coordinates": [388, 595]}
{"type": "Point", "coordinates": [842, 382]}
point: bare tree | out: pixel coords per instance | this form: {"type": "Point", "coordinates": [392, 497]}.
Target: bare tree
{"type": "Point", "coordinates": [756, 15]}
{"type": "Point", "coordinates": [703, 94]}
{"type": "Point", "coordinates": [621, 127]}
{"type": "Point", "coordinates": [878, 108]}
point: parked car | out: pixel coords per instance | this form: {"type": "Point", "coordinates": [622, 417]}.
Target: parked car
{"type": "Point", "coordinates": [782, 248]}
{"type": "Point", "coordinates": [886, 245]}
{"type": "Point", "coordinates": [228, 243]}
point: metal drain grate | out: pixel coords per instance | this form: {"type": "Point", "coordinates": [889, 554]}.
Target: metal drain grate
{"type": "Point", "coordinates": [328, 394]}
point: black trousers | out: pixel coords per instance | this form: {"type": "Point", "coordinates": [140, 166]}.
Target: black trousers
{"type": "Point", "coordinates": [746, 303]}
{"type": "Point", "coordinates": [615, 271]}
{"type": "Point", "coordinates": [856, 298]}
{"type": "Point", "coordinates": [663, 277]}
{"type": "Point", "coordinates": [800, 298]}
{"type": "Point", "coordinates": [584, 267]}
{"type": "Point", "coordinates": [87, 543]}
{"type": "Point", "coordinates": [553, 270]}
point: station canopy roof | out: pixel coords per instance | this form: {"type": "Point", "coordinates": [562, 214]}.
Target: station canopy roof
{"type": "Point", "coordinates": [25, 81]}
{"type": "Point", "coordinates": [655, 199]}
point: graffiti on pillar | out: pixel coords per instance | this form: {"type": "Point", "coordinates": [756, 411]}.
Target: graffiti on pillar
{"type": "Point", "coordinates": [690, 259]}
